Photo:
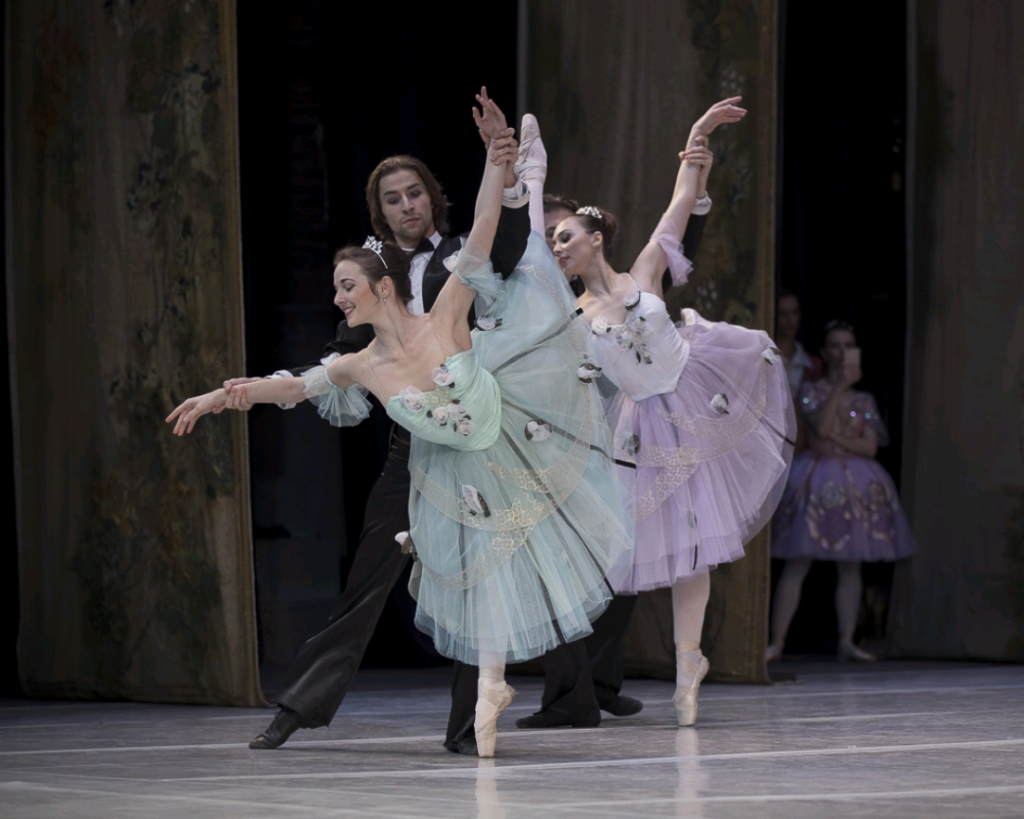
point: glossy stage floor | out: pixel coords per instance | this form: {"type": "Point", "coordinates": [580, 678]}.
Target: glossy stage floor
{"type": "Point", "coordinates": [906, 740]}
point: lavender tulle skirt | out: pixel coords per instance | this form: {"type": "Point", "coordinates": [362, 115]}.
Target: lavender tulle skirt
{"type": "Point", "coordinates": [835, 509]}
{"type": "Point", "coordinates": [711, 457]}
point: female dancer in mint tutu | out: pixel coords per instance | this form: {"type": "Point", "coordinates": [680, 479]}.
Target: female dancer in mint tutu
{"type": "Point", "coordinates": [515, 511]}
{"type": "Point", "coordinates": [704, 413]}
{"type": "Point", "coordinates": [840, 504]}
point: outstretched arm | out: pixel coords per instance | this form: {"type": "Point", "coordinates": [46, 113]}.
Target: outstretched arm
{"type": "Point", "coordinates": [275, 390]}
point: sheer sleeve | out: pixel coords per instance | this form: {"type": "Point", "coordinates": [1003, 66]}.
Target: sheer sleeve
{"type": "Point", "coordinates": [679, 266]}
{"type": "Point", "coordinates": [477, 274]}
{"type": "Point", "coordinates": [864, 405]}
{"type": "Point", "coordinates": [340, 407]}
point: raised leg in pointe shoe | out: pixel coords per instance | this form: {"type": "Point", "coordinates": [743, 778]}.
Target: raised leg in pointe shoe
{"type": "Point", "coordinates": [532, 168]}
{"type": "Point", "coordinates": [689, 600]}
{"type": "Point", "coordinates": [493, 696]}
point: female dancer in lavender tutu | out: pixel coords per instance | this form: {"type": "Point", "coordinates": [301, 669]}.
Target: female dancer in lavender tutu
{"type": "Point", "coordinates": [704, 413]}
{"type": "Point", "coordinates": [839, 503]}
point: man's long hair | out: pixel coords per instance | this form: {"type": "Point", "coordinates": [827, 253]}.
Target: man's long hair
{"type": "Point", "coordinates": [438, 203]}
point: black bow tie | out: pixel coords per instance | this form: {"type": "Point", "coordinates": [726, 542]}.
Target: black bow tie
{"type": "Point", "coordinates": [425, 246]}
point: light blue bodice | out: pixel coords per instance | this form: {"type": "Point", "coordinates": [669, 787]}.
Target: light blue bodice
{"type": "Point", "coordinates": [463, 411]}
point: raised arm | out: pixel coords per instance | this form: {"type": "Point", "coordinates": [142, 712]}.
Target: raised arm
{"type": "Point", "coordinates": [652, 260]}
{"type": "Point", "coordinates": [501, 156]}
{"type": "Point", "coordinates": [513, 231]}
{"type": "Point", "coordinates": [455, 299]}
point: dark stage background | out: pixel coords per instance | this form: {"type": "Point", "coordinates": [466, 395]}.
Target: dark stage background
{"type": "Point", "coordinates": [323, 97]}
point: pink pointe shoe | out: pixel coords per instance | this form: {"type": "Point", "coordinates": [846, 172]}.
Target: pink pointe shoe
{"type": "Point", "coordinates": [496, 698]}
{"type": "Point", "coordinates": [694, 666]}
{"type": "Point", "coordinates": [532, 164]}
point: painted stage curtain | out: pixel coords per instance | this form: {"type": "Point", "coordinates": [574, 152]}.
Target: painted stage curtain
{"type": "Point", "coordinates": [124, 287]}
{"type": "Point", "coordinates": [962, 596]}
{"type": "Point", "coordinates": [616, 85]}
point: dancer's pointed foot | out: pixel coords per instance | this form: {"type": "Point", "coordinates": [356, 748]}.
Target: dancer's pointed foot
{"type": "Point", "coordinates": [849, 651]}
{"type": "Point", "coordinates": [494, 698]}
{"type": "Point", "coordinates": [532, 164]}
{"type": "Point", "coordinates": [773, 653]}
{"type": "Point", "coordinates": [276, 734]}
{"type": "Point", "coordinates": [691, 668]}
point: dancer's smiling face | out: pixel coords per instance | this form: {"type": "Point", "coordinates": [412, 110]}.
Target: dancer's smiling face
{"type": "Point", "coordinates": [355, 294]}
{"type": "Point", "coordinates": [575, 248]}
{"type": "Point", "coordinates": [406, 206]}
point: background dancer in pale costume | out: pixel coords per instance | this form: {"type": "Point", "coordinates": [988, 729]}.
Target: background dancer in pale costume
{"type": "Point", "coordinates": [515, 510]}
{"type": "Point", "coordinates": [705, 415]}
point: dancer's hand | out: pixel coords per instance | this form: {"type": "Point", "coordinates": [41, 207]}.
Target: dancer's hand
{"type": "Point", "coordinates": [850, 374]}
{"type": "Point", "coordinates": [238, 399]}
{"type": "Point", "coordinates": [504, 149]}
{"type": "Point", "coordinates": [192, 409]}
{"type": "Point", "coordinates": [720, 113]}
{"type": "Point", "coordinates": [698, 154]}
{"type": "Point", "coordinates": [489, 119]}
{"type": "Point", "coordinates": [236, 395]}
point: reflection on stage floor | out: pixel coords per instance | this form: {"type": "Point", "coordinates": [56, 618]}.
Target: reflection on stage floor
{"type": "Point", "coordinates": [889, 740]}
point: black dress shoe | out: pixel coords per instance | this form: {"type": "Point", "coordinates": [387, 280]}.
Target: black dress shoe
{"type": "Point", "coordinates": [555, 719]}
{"type": "Point", "coordinates": [622, 706]}
{"type": "Point", "coordinates": [283, 726]}
{"type": "Point", "coordinates": [464, 745]}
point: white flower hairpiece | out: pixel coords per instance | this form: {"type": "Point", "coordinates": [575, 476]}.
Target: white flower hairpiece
{"type": "Point", "coordinates": [376, 245]}
{"type": "Point", "coordinates": [589, 210]}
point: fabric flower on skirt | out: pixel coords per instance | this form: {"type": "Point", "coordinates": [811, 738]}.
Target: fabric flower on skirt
{"type": "Point", "coordinates": [475, 501]}
{"type": "Point", "coordinates": [412, 399]}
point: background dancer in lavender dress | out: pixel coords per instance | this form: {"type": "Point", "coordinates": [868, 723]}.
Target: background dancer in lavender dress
{"type": "Point", "coordinates": [839, 504]}
{"type": "Point", "coordinates": [705, 414]}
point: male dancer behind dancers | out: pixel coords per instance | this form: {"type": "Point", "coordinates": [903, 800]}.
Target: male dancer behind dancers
{"type": "Point", "coordinates": [408, 207]}
{"type": "Point", "coordinates": [590, 671]}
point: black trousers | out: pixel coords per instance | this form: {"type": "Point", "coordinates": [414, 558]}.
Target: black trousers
{"type": "Point", "coordinates": [321, 675]}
